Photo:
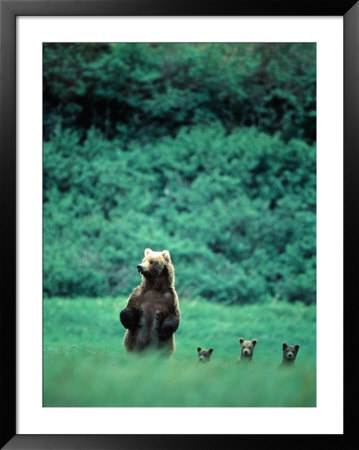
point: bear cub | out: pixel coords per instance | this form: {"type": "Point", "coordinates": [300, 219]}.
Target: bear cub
{"type": "Point", "coordinates": [247, 349]}
{"type": "Point", "coordinates": [152, 314]}
{"type": "Point", "coordinates": [289, 354]}
{"type": "Point", "coordinates": [204, 355]}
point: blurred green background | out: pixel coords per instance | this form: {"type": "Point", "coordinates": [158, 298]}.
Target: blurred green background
{"type": "Point", "coordinates": [207, 150]}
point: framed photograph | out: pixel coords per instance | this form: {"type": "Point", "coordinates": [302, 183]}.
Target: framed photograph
{"type": "Point", "coordinates": [203, 153]}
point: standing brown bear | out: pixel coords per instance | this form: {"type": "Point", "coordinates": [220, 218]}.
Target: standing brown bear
{"type": "Point", "coordinates": [152, 313]}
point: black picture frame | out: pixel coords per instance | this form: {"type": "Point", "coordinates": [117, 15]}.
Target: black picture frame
{"type": "Point", "coordinates": [9, 10]}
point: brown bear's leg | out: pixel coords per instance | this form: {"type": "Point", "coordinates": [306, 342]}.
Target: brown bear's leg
{"type": "Point", "coordinates": [167, 346]}
{"type": "Point", "coordinates": [129, 318]}
{"type": "Point", "coordinates": [127, 342]}
{"type": "Point", "coordinates": [130, 341]}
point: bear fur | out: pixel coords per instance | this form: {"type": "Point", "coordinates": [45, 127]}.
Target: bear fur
{"type": "Point", "coordinates": [152, 314]}
{"type": "Point", "coordinates": [247, 349]}
{"type": "Point", "coordinates": [204, 355]}
{"type": "Point", "coordinates": [289, 354]}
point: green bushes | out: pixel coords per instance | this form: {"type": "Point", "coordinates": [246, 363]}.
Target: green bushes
{"type": "Point", "coordinates": [148, 90]}
{"type": "Point", "coordinates": [205, 149]}
{"type": "Point", "coordinates": [236, 211]}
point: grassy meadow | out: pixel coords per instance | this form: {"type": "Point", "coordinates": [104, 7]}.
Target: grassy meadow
{"type": "Point", "coordinates": [85, 364]}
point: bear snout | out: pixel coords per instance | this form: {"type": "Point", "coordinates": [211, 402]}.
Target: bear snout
{"type": "Point", "coordinates": [290, 355]}
{"type": "Point", "coordinates": [141, 268]}
{"type": "Point", "coordinates": [246, 352]}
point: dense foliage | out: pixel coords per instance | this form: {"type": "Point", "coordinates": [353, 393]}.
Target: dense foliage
{"type": "Point", "coordinates": [147, 90]}
{"type": "Point", "coordinates": [207, 150]}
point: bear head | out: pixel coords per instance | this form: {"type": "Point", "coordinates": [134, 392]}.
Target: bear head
{"type": "Point", "coordinates": [156, 264]}
{"type": "Point", "coordinates": [204, 355]}
{"type": "Point", "coordinates": [247, 347]}
{"type": "Point", "coordinates": [289, 352]}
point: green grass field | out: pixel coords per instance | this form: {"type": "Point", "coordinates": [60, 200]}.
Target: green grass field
{"type": "Point", "coordinates": [85, 363]}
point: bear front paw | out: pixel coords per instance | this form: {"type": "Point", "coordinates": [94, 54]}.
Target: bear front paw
{"type": "Point", "coordinates": [128, 318]}
{"type": "Point", "coordinates": [158, 314]}
{"type": "Point", "coordinates": [158, 318]}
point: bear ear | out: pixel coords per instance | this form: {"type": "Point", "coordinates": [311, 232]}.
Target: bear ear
{"type": "Point", "coordinates": [210, 350]}
{"type": "Point", "coordinates": [166, 255]}
{"type": "Point", "coordinates": [284, 345]}
{"type": "Point", "coordinates": [199, 349]}
{"type": "Point", "coordinates": [297, 347]}
{"type": "Point", "coordinates": [254, 341]}
{"type": "Point", "coordinates": [241, 340]}
{"type": "Point", "coordinates": [148, 251]}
